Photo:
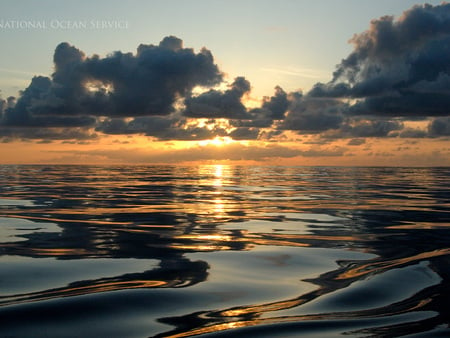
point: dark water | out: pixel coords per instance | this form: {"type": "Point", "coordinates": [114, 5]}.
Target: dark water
{"type": "Point", "coordinates": [221, 251]}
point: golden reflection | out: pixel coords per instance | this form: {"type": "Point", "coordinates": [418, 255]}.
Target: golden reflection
{"type": "Point", "coordinates": [212, 328]}
{"type": "Point", "coordinates": [277, 306]}
{"type": "Point", "coordinates": [59, 252]}
{"type": "Point", "coordinates": [96, 287]}
{"type": "Point", "coordinates": [241, 314]}
{"type": "Point", "coordinates": [218, 174]}
{"type": "Point", "coordinates": [200, 248]}
{"type": "Point", "coordinates": [222, 238]}
{"type": "Point", "coordinates": [384, 265]}
{"type": "Point", "coordinates": [219, 207]}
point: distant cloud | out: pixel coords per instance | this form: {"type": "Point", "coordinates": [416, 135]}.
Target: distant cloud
{"type": "Point", "coordinates": [356, 142]}
{"type": "Point", "coordinates": [371, 128]}
{"type": "Point", "coordinates": [440, 127]}
{"type": "Point", "coordinates": [232, 152]}
{"type": "Point", "coordinates": [244, 134]}
{"type": "Point", "coordinates": [413, 133]}
{"type": "Point", "coordinates": [10, 134]}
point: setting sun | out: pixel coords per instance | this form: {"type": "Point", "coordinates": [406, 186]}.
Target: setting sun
{"type": "Point", "coordinates": [218, 141]}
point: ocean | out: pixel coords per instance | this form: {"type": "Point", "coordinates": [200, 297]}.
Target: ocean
{"type": "Point", "coordinates": [224, 251]}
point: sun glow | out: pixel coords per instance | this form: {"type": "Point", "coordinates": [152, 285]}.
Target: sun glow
{"type": "Point", "coordinates": [217, 141]}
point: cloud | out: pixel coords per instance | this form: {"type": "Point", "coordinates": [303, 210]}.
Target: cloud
{"type": "Point", "coordinates": [272, 109]}
{"type": "Point", "coordinates": [370, 128]}
{"type": "Point", "coordinates": [439, 127]}
{"type": "Point", "coordinates": [10, 134]}
{"type": "Point", "coordinates": [413, 133]}
{"type": "Point", "coordinates": [218, 104]}
{"type": "Point", "coordinates": [171, 127]}
{"type": "Point", "coordinates": [28, 111]}
{"type": "Point", "coordinates": [244, 133]}
{"type": "Point", "coordinates": [313, 115]}
{"type": "Point", "coordinates": [356, 142]}
{"type": "Point", "coordinates": [277, 104]}
{"type": "Point", "coordinates": [120, 84]}
{"type": "Point", "coordinates": [232, 152]}
{"type": "Point", "coordinates": [398, 67]}
{"type": "Point", "coordinates": [319, 152]}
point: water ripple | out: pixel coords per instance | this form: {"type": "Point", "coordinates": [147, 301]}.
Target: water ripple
{"type": "Point", "coordinates": [217, 251]}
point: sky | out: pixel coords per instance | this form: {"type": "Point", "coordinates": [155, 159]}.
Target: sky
{"type": "Point", "coordinates": [291, 82]}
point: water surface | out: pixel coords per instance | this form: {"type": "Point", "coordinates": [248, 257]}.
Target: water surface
{"type": "Point", "coordinates": [224, 251]}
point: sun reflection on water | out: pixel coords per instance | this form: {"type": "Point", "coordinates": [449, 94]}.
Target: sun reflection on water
{"type": "Point", "coordinates": [261, 244]}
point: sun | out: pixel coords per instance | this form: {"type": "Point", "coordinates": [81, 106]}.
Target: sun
{"type": "Point", "coordinates": [218, 141]}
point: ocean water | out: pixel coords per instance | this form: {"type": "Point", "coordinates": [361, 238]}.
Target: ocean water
{"type": "Point", "coordinates": [224, 251]}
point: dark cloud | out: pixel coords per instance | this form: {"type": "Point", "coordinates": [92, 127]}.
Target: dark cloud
{"type": "Point", "coordinates": [244, 133]}
{"type": "Point", "coordinates": [120, 84]}
{"type": "Point", "coordinates": [272, 109]}
{"type": "Point", "coordinates": [361, 128]}
{"type": "Point", "coordinates": [220, 104]}
{"type": "Point", "coordinates": [277, 104]}
{"type": "Point", "coordinates": [398, 67]}
{"type": "Point", "coordinates": [150, 82]}
{"type": "Point", "coordinates": [27, 111]}
{"type": "Point", "coordinates": [356, 142]}
{"type": "Point", "coordinates": [256, 118]}
{"type": "Point", "coordinates": [439, 127]}
{"type": "Point", "coordinates": [24, 133]}
{"type": "Point", "coordinates": [170, 127]}
{"type": "Point", "coordinates": [313, 115]}
{"type": "Point", "coordinates": [371, 128]}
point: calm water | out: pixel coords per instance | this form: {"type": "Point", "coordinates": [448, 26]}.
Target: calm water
{"type": "Point", "coordinates": [224, 251]}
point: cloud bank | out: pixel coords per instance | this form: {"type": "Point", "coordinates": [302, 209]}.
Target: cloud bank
{"type": "Point", "coordinates": [399, 70]}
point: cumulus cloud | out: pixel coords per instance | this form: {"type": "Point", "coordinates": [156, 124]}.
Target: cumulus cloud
{"type": "Point", "coordinates": [28, 110]}
{"type": "Point", "coordinates": [218, 104]}
{"type": "Point", "coordinates": [370, 128]}
{"type": "Point", "coordinates": [398, 67]}
{"type": "Point", "coordinates": [272, 109]}
{"type": "Point", "coordinates": [440, 127]}
{"type": "Point", "coordinates": [313, 115]}
{"type": "Point", "coordinates": [276, 105]}
{"type": "Point", "coordinates": [120, 84]}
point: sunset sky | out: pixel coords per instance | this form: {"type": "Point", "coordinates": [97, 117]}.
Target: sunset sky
{"type": "Point", "coordinates": [292, 82]}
